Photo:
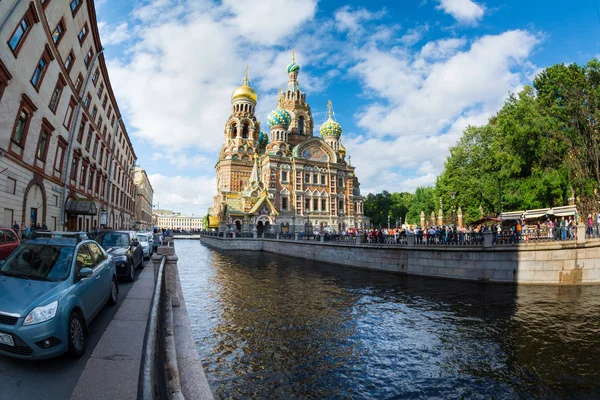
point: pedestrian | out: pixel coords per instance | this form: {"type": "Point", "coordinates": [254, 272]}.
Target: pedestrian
{"type": "Point", "coordinates": [16, 228]}
{"type": "Point", "coordinates": [44, 226]}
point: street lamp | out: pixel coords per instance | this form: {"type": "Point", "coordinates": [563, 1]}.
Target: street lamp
{"type": "Point", "coordinates": [452, 196]}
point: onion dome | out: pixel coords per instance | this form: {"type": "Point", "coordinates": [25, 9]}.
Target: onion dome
{"type": "Point", "coordinates": [244, 91]}
{"type": "Point", "coordinates": [293, 67]}
{"type": "Point", "coordinates": [342, 150]}
{"type": "Point", "coordinates": [330, 127]}
{"type": "Point", "coordinates": [263, 138]}
{"type": "Point", "coordinates": [279, 116]}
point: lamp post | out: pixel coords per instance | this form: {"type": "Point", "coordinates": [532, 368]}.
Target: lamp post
{"type": "Point", "coordinates": [452, 196]}
{"type": "Point", "coordinates": [388, 221]}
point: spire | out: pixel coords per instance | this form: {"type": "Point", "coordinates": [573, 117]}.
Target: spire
{"type": "Point", "coordinates": [293, 56]}
{"type": "Point", "coordinates": [329, 109]}
{"type": "Point", "coordinates": [246, 76]}
{"type": "Point", "coordinates": [254, 177]}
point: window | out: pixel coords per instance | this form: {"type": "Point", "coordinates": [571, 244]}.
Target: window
{"type": "Point", "coordinates": [95, 77]}
{"type": "Point", "coordinates": [58, 33]}
{"type": "Point", "coordinates": [68, 116]}
{"type": "Point", "coordinates": [307, 178]}
{"type": "Point", "coordinates": [21, 127]}
{"type": "Point", "coordinates": [69, 61]}
{"type": "Point", "coordinates": [315, 204]}
{"type": "Point", "coordinates": [315, 178]}
{"type": "Point", "coordinates": [60, 156]}
{"type": "Point", "coordinates": [84, 259]}
{"type": "Point", "coordinates": [83, 175]}
{"type": "Point", "coordinates": [22, 29]}
{"type": "Point", "coordinates": [322, 179]}
{"type": "Point", "coordinates": [81, 131]}
{"type": "Point", "coordinates": [301, 125]}
{"type": "Point", "coordinates": [104, 102]}
{"type": "Point", "coordinates": [5, 76]}
{"type": "Point", "coordinates": [340, 182]}
{"type": "Point", "coordinates": [88, 58]}
{"type": "Point", "coordinates": [74, 165]}
{"type": "Point", "coordinates": [78, 83]}
{"type": "Point", "coordinates": [87, 101]}
{"type": "Point", "coordinates": [43, 145]}
{"type": "Point", "coordinates": [88, 141]}
{"type": "Point", "coordinates": [39, 72]}
{"type": "Point", "coordinates": [11, 186]}
{"type": "Point", "coordinates": [56, 94]}
{"type": "Point", "coordinates": [306, 204]}
{"type": "Point", "coordinates": [94, 112]}
{"type": "Point", "coordinates": [94, 152]}
{"type": "Point", "coordinates": [75, 4]}
{"type": "Point", "coordinates": [284, 176]}
{"type": "Point", "coordinates": [341, 206]}
{"type": "Point", "coordinates": [83, 33]}
{"type": "Point", "coordinates": [104, 132]}
{"type": "Point", "coordinates": [8, 216]}
{"type": "Point", "coordinates": [323, 205]}
{"type": "Point", "coordinates": [284, 203]}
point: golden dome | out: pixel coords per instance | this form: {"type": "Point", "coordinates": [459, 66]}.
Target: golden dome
{"type": "Point", "coordinates": [342, 150]}
{"type": "Point", "coordinates": [244, 91]}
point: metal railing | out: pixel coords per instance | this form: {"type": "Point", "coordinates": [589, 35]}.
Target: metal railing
{"type": "Point", "coordinates": [154, 382]}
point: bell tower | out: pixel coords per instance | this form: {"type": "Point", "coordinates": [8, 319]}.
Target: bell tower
{"type": "Point", "coordinates": [293, 100]}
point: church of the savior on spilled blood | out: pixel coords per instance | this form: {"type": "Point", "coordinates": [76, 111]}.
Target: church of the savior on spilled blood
{"type": "Point", "coordinates": [286, 180]}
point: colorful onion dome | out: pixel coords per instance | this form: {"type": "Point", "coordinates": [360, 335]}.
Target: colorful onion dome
{"type": "Point", "coordinates": [342, 150]}
{"type": "Point", "coordinates": [279, 116]}
{"type": "Point", "coordinates": [263, 138]}
{"type": "Point", "coordinates": [293, 67]}
{"type": "Point", "coordinates": [330, 127]}
{"type": "Point", "coordinates": [244, 91]}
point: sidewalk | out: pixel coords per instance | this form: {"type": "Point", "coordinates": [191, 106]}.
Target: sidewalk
{"type": "Point", "coordinates": [113, 370]}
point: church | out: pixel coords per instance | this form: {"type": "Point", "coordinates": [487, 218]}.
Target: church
{"type": "Point", "coordinates": [287, 180]}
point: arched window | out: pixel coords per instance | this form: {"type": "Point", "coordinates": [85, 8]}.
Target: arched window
{"type": "Point", "coordinates": [233, 131]}
{"type": "Point", "coordinates": [301, 125]}
{"type": "Point", "coordinates": [245, 131]}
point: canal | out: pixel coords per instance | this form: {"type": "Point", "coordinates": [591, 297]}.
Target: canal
{"type": "Point", "coordinates": [268, 326]}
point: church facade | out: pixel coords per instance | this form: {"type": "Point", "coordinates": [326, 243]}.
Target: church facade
{"type": "Point", "coordinates": [287, 180]}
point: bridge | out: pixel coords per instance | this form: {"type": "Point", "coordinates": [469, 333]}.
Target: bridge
{"type": "Point", "coordinates": [142, 348]}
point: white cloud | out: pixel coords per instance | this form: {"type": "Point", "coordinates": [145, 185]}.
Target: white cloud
{"type": "Point", "coordinates": [353, 21]}
{"type": "Point", "coordinates": [414, 35]}
{"type": "Point", "coordinates": [112, 35]}
{"type": "Point", "coordinates": [464, 11]}
{"type": "Point", "coordinates": [183, 194]}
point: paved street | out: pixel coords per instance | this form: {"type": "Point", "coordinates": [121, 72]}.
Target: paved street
{"type": "Point", "coordinates": [56, 378]}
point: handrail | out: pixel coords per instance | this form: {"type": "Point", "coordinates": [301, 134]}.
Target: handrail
{"type": "Point", "coordinates": [153, 381]}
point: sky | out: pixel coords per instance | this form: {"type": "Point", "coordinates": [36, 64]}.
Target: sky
{"type": "Point", "coordinates": [405, 77]}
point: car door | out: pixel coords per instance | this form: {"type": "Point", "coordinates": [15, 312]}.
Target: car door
{"type": "Point", "coordinates": [11, 240]}
{"type": "Point", "coordinates": [138, 253]}
{"type": "Point", "coordinates": [3, 246]}
{"type": "Point", "coordinates": [87, 287]}
{"type": "Point", "coordinates": [101, 270]}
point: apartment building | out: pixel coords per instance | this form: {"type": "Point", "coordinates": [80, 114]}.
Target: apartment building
{"type": "Point", "coordinates": [143, 199]}
{"type": "Point", "coordinates": [65, 156]}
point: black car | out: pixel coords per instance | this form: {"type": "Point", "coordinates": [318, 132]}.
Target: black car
{"type": "Point", "coordinates": [125, 249]}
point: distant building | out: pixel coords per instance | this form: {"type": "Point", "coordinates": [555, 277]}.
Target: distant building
{"type": "Point", "coordinates": [65, 156]}
{"type": "Point", "coordinates": [287, 179]}
{"type": "Point", "coordinates": [143, 199]}
{"type": "Point", "coordinates": [175, 221]}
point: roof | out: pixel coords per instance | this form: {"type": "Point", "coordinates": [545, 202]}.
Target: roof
{"type": "Point", "coordinates": [234, 206]}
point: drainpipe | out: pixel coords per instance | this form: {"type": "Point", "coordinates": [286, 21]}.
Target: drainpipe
{"type": "Point", "coordinates": [71, 136]}
{"type": "Point", "coordinates": [110, 165]}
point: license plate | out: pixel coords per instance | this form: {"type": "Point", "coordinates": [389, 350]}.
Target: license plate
{"type": "Point", "coordinates": [6, 339]}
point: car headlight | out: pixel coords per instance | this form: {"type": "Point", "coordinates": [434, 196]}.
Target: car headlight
{"type": "Point", "coordinates": [120, 258]}
{"type": "Point", "coordinates": [41, 314]}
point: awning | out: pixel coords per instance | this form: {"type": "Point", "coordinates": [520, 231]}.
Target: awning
{"type": "Point", "coordinates": [213, 222]}
{"type": "Point", "coordinates": [81, 207]}
{"type": "Point", "coordinates": [541, 212]}
{"type": "Point", "coordinates": [511, 216]}
{"type": "Point", "coordinates": [564, 211]}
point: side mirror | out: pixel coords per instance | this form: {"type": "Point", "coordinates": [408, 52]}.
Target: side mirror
{"type": "Point", "coordinates": [85, 273]}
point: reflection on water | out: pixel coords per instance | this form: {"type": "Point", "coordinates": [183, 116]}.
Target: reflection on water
{"type": "Point", "coordinates": [268, 326]}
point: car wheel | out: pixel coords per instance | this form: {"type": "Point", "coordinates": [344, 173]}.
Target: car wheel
{"type": "Point", "coordinates": [76, 335]}
{"type": "Point", "coordinates": [131, 276]}
{"type": "Point", "coordinates": [141, 266]}
{"type": "Point", "coordinates": [114, 293]}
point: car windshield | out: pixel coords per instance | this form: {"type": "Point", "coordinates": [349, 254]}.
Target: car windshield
{"type": "Point", "coordinates": [40, 262]}
{"type": "Point", "coordinates": [143, 238]}
{"type": "Point", "coordinates": [111, 239]}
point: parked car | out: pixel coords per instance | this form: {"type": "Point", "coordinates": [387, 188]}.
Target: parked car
{"type": "Point", "coordinates": [9, 241]}
{"type": "Point", "coordinates": [51, 289]}
{"type": "Point", "coordinates": [126, 250]}
{"type": "Point", "coordinates": [146, 245]}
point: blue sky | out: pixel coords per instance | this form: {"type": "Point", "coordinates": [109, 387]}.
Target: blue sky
{"type": "Point", "coordinates": [405, 77]}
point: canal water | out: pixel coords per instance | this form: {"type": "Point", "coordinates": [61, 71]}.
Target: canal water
{"type": "Point", "coordinates": [269, 326]}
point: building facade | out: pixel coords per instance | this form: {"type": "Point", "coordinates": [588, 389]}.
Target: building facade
{"type": "Point", "coordinates": [65, 156]}
{"type": "Point", "coordinates": [287, 180]}
{"type": "Point", "coordinates": [176, 221]}
{"type": "Point", "coordinates": [143, 199]}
